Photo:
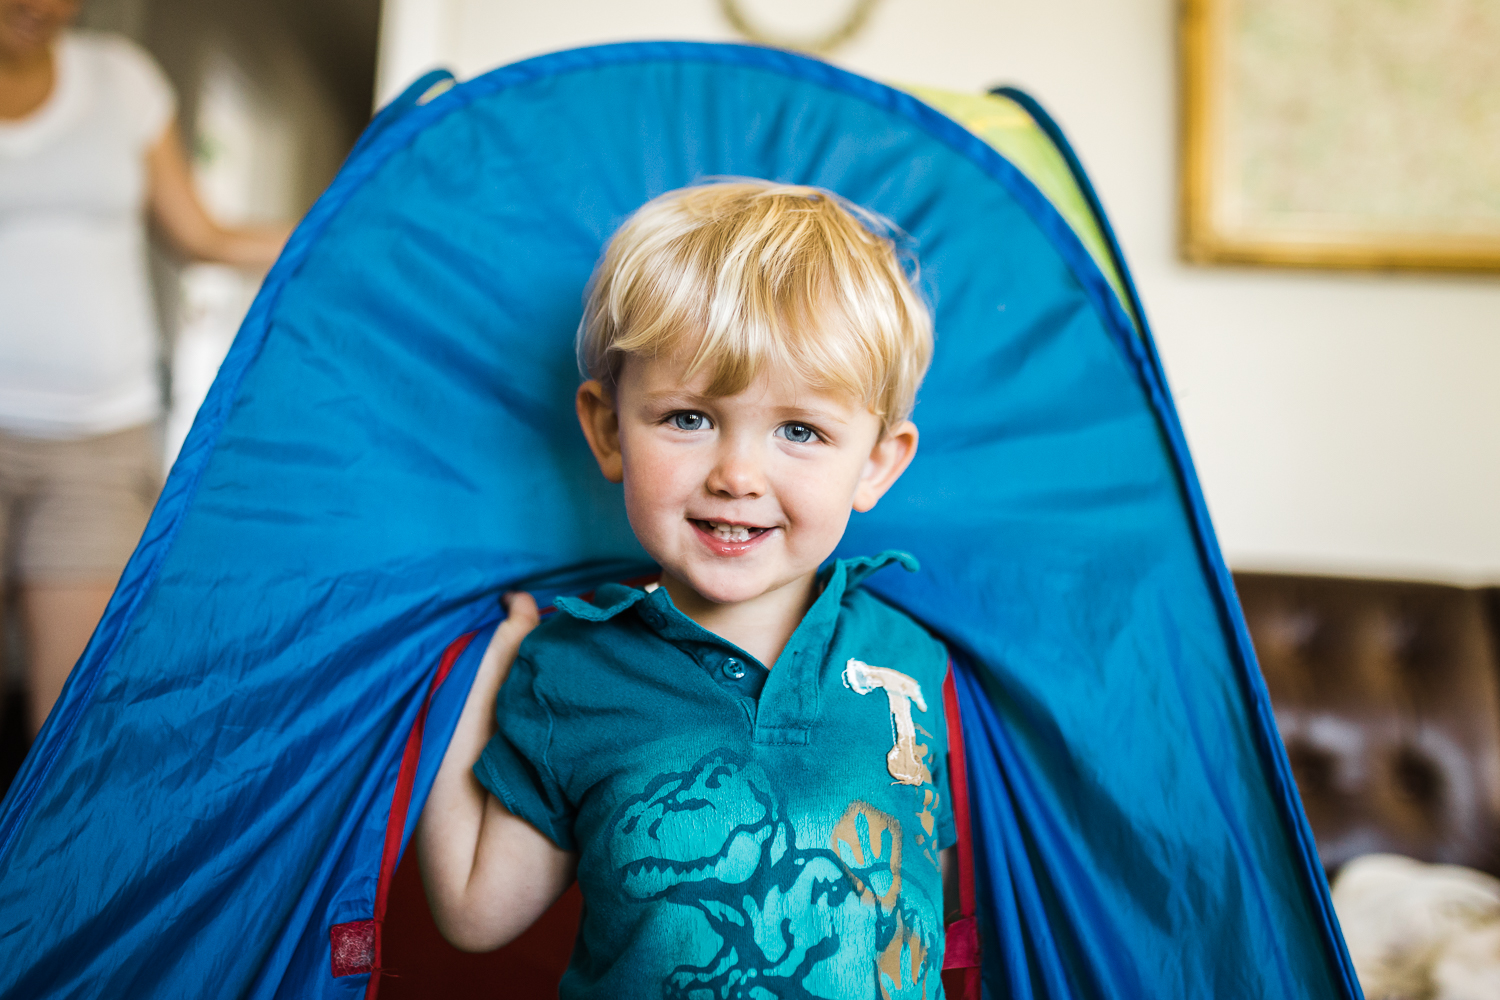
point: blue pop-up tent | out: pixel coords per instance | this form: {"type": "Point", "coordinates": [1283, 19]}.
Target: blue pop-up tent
{"type": "Point", "coordinates": [215, 805]}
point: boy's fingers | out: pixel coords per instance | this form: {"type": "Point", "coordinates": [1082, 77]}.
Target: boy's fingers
{"type": "Point", "coordinates": [521, 610]}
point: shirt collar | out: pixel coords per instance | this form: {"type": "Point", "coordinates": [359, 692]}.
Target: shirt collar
{"type": "Point", "coordinates": [603, 604]}
{"type": "Point", "coordinates": [658, 611]}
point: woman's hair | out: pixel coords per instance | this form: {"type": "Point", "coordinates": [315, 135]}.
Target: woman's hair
{"type": "Point", "coordinates": [758, 274]}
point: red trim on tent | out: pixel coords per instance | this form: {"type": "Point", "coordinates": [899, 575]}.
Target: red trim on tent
{"type": "Point", "coordinates": [961, 954]}
{"type": "Point", "coordinates": [356, 944]}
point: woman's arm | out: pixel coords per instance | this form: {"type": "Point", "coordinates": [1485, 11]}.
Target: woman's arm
{"type": "Point", "coordinates": [188, 228]}
{"type": "Point", "coordinates": [488, 874]}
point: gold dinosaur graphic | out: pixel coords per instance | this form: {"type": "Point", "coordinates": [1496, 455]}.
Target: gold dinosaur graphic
{"type": "Point", "coordinates": [868, 843]}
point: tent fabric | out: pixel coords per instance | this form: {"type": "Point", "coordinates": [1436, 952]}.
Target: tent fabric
{"type": "Point", "coordinates": [390, 445]}
{"type": "Point", "coordinates": [1014, 126]}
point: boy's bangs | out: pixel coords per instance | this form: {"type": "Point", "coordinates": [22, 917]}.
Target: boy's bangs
{"type": "Point", "coordinates": [793, 331]}
{"type": "Point", "coordinates": [757, 279]}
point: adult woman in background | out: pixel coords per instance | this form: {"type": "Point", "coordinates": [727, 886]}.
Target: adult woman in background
{"type": "Point", "coordinates": [89, 145]}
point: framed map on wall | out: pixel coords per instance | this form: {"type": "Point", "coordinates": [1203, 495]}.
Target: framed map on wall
{"type": "Point", "coordinates": [1342, 133]}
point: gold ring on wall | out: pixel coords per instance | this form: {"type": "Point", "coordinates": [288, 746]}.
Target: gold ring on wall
{"type": "Point", "coordinates": [852, 24]}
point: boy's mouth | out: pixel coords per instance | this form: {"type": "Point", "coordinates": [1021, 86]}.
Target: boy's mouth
{"type": "Point", "coordinates": [726, 532]}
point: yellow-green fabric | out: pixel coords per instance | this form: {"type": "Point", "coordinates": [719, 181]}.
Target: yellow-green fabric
{"type": "Point", "coordinates": [1006, 126]}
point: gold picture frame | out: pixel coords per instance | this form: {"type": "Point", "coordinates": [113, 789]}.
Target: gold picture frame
{"type": "Point", "coordinates": [1341, 133]}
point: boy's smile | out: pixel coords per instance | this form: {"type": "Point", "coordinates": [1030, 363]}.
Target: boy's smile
{"type": "Point", "coordinates": [739, 498]}
{"type": "Point", "coordinates": [729, 539]}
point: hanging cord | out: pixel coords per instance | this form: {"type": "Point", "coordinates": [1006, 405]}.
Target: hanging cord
{"type": "Point", "coordinates": [852, 24]}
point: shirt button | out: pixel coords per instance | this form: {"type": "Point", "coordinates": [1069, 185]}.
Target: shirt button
{"type": "Point", "coordinates": [733, 669]}
{"type": "Point", "coordinates": [653, 617]}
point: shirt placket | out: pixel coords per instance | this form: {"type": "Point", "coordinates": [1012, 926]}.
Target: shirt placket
{"type": "Point", "coordinates": [733, 671]}
{"type": "Point", "coordinates": [790, 701]}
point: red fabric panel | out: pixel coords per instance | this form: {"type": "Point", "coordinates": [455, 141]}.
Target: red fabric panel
{"type": "Point", "coordinates": [962, 949]}
{"type": "Point", "coordinates": [420, 965]}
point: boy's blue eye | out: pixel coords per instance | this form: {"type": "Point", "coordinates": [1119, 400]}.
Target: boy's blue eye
{"type": "Point", "coordinates": [798, 433]}
{"type": "Point", "coordinates": [688, 421]}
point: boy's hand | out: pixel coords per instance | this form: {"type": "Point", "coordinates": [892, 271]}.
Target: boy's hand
{"type": "Point", "coordinates": [520, 618]}
{"type": "Point", "coordinates": [488, 874]}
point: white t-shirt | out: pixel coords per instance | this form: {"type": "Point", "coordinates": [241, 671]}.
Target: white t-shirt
{"type": "Point", "coordinates": [78, 344]}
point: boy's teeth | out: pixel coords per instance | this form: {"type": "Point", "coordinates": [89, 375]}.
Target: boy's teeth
{"type": "Point", "coordinates": [731, 532]}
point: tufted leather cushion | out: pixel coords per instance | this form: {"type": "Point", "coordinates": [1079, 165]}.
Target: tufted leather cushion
{"type": "Point", "coordinates": [1386, 696]}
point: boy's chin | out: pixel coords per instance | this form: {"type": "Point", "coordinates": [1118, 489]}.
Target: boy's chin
{"type": "Point", "coordinates": [720, 591]}
{"type": "Point", "coordinates": [730, 586]}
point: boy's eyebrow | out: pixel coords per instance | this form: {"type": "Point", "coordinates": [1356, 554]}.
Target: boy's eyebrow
{"type": "Point", "coordinates": [673, 396]}
{"type": "Point", "coordinates": [684, 397]}
{"type": "Point", "coordinates": [812, 415]}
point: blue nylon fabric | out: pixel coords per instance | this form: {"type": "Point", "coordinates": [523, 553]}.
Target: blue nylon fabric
{"type": "Point", "coordinates": [1257, 693]}
{"type": "Point", "coordinates": [391, 444]}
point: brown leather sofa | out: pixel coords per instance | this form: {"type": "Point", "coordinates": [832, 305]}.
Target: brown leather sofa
{"type": "Point", "coordinates": [1386, 697]}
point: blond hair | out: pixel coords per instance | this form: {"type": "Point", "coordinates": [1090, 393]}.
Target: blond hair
{"type": "Point", "coordinates": [761, 275]}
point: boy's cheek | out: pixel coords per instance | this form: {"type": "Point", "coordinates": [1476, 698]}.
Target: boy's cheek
{"type": "Point", "coordinates": [650, 481]}
{"type": "Point", "coordinates": [651, 503]}
{"type": "Point", "coordinates": [825, 497]}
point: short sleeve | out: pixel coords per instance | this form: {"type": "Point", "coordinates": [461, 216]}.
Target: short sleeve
{"type": "Point", "coordinates": [513, 766]}
{"type": "Point", "coordinates": [142, 89]}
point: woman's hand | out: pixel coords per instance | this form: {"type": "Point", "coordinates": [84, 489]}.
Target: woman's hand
{"type": "Point", "coordinates": [488, 874]}
{"type": "Point", "coordinates": [188, 227]}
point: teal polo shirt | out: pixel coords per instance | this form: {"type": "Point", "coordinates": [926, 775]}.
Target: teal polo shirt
{"type": "Point", "coordinates": [741, 832]}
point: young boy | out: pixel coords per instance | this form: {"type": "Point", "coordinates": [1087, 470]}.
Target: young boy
{"type": "Point", "coordinates": [743, 764]}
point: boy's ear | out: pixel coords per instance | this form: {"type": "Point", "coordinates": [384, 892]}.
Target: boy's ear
{"type": "Point", "coordinates": [601, 425]}
{"type": "Point", "coordinates": [888, 459]}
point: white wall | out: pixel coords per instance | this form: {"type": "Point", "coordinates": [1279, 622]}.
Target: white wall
{"type": "Point", "coordinates": [1342, 423]}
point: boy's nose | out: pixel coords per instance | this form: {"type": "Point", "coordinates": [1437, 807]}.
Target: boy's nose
{"type": "Point", "coordinates": [738, 473]}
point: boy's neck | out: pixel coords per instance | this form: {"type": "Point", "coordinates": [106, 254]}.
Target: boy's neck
{"type": "Point", "coordinates": [760, 626]}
